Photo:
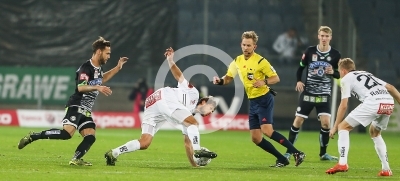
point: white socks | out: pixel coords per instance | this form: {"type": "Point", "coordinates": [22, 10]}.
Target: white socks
{"type": "Point", "coordinates": [126, 148]}
{"type": "Point", "coordinates": [194, 136]}
{"type": "Point", "coordinates": [380, 147]}
{"type": "Point", "coordinates": [343, 146]}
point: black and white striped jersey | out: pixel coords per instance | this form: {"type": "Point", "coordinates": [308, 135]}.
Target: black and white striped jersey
{"type": "Point", "coordinates": [87, 74]}
{"type": "Point", "coordinates": [317, 81]}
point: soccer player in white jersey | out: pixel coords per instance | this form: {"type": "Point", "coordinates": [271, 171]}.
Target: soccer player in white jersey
{"type": "Point", "coordinates": [376, 106]}
{"type": "Point", "coordinates": [177, 105]}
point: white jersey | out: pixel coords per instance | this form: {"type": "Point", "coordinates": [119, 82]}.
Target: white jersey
{"type": "Point", "coordinates": [161, 105]}
{"type": "Point", "coordinates": [364, 86]}
{"type": "Point", "coordinates": [187, 94]}
{"type": "Point", "coordinates": [171, 105]}
{"type": "Point", "coordinates": [377, 104]}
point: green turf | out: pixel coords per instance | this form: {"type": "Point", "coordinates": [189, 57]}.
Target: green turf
{"type": "Point", "coordinates": [238, 158]}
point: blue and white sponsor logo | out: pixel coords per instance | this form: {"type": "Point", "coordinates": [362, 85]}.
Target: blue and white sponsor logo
{"type": "Point", "coordinates": [96, 81]}
{"type": "Point", "coordinates": [318, 68]}
{"type": "Point", "coordinates": [317, 64]}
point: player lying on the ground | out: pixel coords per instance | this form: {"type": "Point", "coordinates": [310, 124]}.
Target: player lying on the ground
{"type": "Point", "coordinates": [375, 109]}
{"type": "Point", "coordinates": [176, 105]}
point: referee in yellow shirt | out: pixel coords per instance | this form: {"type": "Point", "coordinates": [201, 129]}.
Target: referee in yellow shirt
{"type": "Point", "coordinates": [256, 73]}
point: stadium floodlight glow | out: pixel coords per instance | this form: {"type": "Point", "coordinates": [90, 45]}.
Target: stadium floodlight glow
{"type": "Point", "coordinates": [208, 71]}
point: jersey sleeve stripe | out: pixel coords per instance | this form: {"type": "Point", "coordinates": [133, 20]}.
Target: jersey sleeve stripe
{"type": "Point", "coordinates": [260, 60]}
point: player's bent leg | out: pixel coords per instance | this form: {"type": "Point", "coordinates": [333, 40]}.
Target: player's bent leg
{"type": "Point", "coordinates": [268, 130]}
{"type": "Point", "coordinates": [191, 129]}
{"type": "Point", "coordinates": [381, 150]}
{"type": "Point", "coordinates": [54, 133]}
{"type": "Point", "coordinates": [343, 146]}
{"type": "Point", "coordinates": [148, 132]}
{"type": "Point", "coordinates": [258, 139]}
{"type": "Point", "coordinates": [87, 130]}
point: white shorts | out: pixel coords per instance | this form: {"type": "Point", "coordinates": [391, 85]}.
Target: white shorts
{"type": "Point", "coordinates": [163, 106]}
{"type": "Point", "coordinates": [375, 113]}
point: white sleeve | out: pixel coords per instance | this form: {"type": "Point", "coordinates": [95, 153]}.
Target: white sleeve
{"type": "Point", "coordinates": [345, 88]}
{"type": "Point", "coordinates": [185, 84]}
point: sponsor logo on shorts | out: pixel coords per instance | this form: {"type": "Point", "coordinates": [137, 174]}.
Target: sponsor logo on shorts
{"type": "Point", "coordinates": [72, 118]}
{"type": "Point", "coordinates": [385, 109]}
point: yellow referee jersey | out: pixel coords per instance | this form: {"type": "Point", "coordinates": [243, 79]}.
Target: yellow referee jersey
{"type": "Point", "coordinates": [255, 68]}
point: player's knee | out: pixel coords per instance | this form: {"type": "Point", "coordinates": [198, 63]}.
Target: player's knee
{"type": "Point", "coordinates": [256, 139]}
{"type": "Point", "coordinates": [69, 129]}
{"type": "Point", "coordinates": [267, 130]}
{"type": "Point", "coordinates": [145, 141]}
{"type": "Point", "coordinates": [66, 135]}
{"type": "Point", "coordinates": [298, 121]}
{"type": "Point", "coordinates": [144, 145]}
{"type": "Point", "coordinates": [90, 139]}
{"type": "Point", "coordinates": [374, 131]}
{"type": "Point", "coordinates": [325, 125]}
{"type": "Point", "coordinates": [345, 126]}
{"type": "Point", "coordinates": [190, 121]}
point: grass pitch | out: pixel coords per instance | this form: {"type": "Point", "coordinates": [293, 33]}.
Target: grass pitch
{"type": "Point", "coordinates": [238, 158]}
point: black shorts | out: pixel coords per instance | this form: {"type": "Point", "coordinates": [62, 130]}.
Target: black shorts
{"type": "Point", "coordinates": [307, 102]}
{"type": "Point", "coordinates": [261, 111]}
{"type": "Point", "coordinates": [79, 118]}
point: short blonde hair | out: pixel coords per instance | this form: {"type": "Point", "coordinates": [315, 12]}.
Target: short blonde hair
{"type": "Point", "coordinates": [250, 34]}
{"type": "Point", "coordinates": [347, 64]}
{"type": "Point", "coordinates": [325, 29]}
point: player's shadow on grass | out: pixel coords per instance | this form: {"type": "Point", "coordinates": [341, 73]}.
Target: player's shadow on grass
{"type": "Point", "coordinates": [242, 169]}
{"type": "Point", "coordinates": [75, 167]}
{"type": "Point", "coordinates": [167, 167]}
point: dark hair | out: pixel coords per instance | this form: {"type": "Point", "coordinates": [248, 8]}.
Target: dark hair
{"type": "Point", "coordinates": [208, 100]}
{"type": "Point", "coordinates": [101, 44]}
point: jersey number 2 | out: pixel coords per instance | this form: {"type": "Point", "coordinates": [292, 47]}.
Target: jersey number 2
{"type": "Point", "coordinates": [369, 80]}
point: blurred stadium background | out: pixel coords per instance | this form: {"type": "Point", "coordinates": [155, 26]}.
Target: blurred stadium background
{"type": "Point", "coordinates": [43, 42]}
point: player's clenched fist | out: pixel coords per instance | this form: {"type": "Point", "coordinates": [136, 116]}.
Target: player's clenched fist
{"type": "Point", "coordinates": [105, 90]}
{"type": "Point", "coordinates": [216, 80]}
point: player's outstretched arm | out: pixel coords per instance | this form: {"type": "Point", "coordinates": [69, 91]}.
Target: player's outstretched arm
{"type": "Point", "coordinates": [176, 72]}
{"type": "Point", "coordinates": [109, 74]}
{"type": "Point", "coordinates": [189, 151]}
{"type": "Point", "coordinates": [393, 92]}
{"type": "Point", "coordinates": [223, 80]}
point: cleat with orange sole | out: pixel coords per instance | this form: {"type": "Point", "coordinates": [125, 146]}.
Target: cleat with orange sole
{"type": "Point", "coordinates": [337, 168]}
{"type": "Point", "coordinates": [385, 173]}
